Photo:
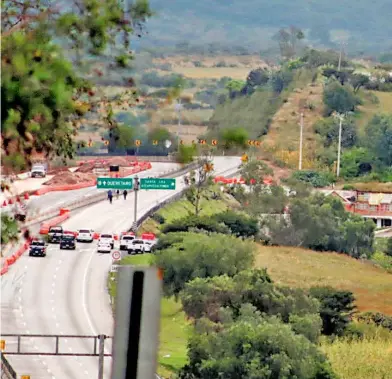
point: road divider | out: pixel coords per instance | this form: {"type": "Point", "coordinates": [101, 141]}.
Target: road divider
{"type": "Point", "coordinates": [45, 226]}
{"type": "Point", "coordinates": [14, 257]}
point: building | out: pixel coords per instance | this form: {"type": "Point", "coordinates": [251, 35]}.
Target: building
{"type": "Point", "coordinates": [368, 202]}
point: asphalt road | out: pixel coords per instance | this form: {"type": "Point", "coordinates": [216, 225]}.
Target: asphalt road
{"type": "Point", "coordinates": [54, 200]}
{"type": "Point", "coordinates": [65, 293]}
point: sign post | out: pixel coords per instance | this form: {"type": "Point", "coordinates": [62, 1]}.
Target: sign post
{"type": "Point", "coordinates": [158, 184]}
{"type": "Point", "coordinates": [137, 319]}
{"type": "Point", "coordinates": [115, 183]}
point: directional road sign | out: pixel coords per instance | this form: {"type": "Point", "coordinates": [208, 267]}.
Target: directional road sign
{"type": "Point", "coordinates": [158, 183]}
{"type": "Point", "coordinates": [114, 183]}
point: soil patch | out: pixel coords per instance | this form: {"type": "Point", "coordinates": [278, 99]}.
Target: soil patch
{"type": "Point", "coordinates": [66, 178]}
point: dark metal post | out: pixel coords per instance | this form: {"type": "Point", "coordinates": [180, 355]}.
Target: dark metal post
{"type": "Point", "coordinates": [19, 344]}
{"type": "Point", "coordinates": [57, 344]}
{"type": "Point", "coordinates": [135, 190]}
{"type": "Point", "coordinates": [101, 338]}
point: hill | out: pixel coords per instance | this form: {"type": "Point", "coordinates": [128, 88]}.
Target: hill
{"type": "Point", "coordinates": [250, 24]}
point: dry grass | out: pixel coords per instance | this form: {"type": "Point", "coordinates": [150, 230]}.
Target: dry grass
{"type": "Point", "coordinates": [212, 72]}
{"type": "Point", "coordinates": [369, 358]}
{"type": "Point", "coordinates": [284, 131]}
{"type": "Point", "coordinates": [188, 133]}
{"type": "Point", "coordinates": [297, 267]}
{"type": "Point", "coordinates": [369, 109]}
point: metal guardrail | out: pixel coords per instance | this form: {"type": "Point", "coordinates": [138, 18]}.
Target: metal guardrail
{"type": "Point", "coordinates": [7, 372]}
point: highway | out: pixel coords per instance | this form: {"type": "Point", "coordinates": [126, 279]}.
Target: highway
{"type": "Point", "coordinates": [65, 293]}
{"type": "Point", "coordinates": [53, 200]}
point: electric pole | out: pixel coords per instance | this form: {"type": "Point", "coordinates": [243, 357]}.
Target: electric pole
{"type": "Point", "coordinates": [135, 190]}
{"type": "Point", "coordinates": [178, 108]}
{"type": "Point", "coordinates": [340, 55]}
{"type": "Point", "coordinates": [340, 116]}
{"type": "Point", "coordinates": [301, 141]}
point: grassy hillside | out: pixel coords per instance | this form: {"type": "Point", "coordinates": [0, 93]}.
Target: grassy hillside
{"type": "Point", "coordinates": [250, 23]}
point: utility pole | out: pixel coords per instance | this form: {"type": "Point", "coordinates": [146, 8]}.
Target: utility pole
{"type": "Point", "coordinates": [340, 116]}
{"type": "Point", "coordinates": [101, 356]}
{"type": "Point", "coordinates": [301, 141]}
{"type": "Point", "coordinates": [135, 190]}
{"type": "Point", "coordinates": [178, 107]}
{"type": "Point", "coordinates": [340, 55]}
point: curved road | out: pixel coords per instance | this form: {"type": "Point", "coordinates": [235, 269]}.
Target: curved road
{"type": "Point", "coordinates": [65, 293]}
{"type": "Point", "coordinates": [53, 200]}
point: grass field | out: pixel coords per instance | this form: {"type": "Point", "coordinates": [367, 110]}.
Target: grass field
{"type": "Point", "coordinates": [369, 109]}
{"type": "Point", "coordinates": [212, 72]}
{"type": "Point", "coordinates": [297, 267]}
{"type": "Point", "coordinates": [369, 358]}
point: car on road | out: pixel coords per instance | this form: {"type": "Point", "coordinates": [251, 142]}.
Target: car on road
{"type": "Point", "coordinates": [136, 246]}
{"type": "Point", "coordinates": [38, 170]}
{"type": "Point", "coordinates": [107, 238]}
{"type": "Point", "coordinates": [85, 235]}
{"type": "Point", "coordinates": [68, 241]}
{"type": "Point", "coordinates": [104, 247]}
{"type": "Point", "coordinates": [37, 249]}
{"type": "Point", "coordinates": [55, 233]}
{"type": "Point", "coordinates": [126, 241]}
{"type": "Point", "coordinates": [149, 246]}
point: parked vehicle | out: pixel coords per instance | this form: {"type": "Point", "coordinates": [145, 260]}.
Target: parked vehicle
{"type": "Point", "coordinates": [38, 170]}
{"type": "Point", "coordinates": [126, 241]}
{"type": "Point", "coordinates": [136, 247]}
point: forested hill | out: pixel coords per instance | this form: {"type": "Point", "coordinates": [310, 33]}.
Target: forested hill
{"type": "Point", "coordinates": [366, 23]}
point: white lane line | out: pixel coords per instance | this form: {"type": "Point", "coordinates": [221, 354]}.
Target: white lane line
{"type": "Point", "coordinates": [52, 291]}
{"type": "Point", "coordinates": [53, 284]}
{"type": "Point", "coordinates": [84, 294]}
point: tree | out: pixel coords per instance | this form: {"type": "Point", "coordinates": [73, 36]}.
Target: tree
{"type": "Point", "coordinates": [288, 41]}
{"type": "Point", "coordinates": [388, 249]}
{"type": "Point", "coordinates": [44, 90]}
{"type": "Point", "coordinates": [199, 181]}
{"type": "Point", "coordinates": [255, 171]}
{"type": "Point", "coordinates": [336, 308]}
{"type": "Point", "coordinates": [9, 229]}
{"type": "Point", "coordinates": [379, 138]}
{"type": "Point", "coordinates": [358, 81]}
{"type": "Point", "coordinates": [338, 98]}
{"type": "Point", "coordinates": [201, 256]}
{"type": "Point", "coordinates": [356, 162]}
{"type": "Point", "coordinates": [252, 347]}
{"type": "Point", "coordinates": [234, 137]}
{"type": "Point", "coordinates": [240, 225]}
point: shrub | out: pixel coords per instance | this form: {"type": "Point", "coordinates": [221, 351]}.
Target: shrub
{"type": "Point", "coordinates": [204, 223]}
{"type": "Point", "coordinates": [315, 178]}
{"type": "Point", "coordinates": [239, 225]}
{"type": "Point", "coordinates": [376, 318]}
{"type": "Point", "coordinates": [158, 218]}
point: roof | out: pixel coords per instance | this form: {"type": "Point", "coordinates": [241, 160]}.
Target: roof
{"type": "Point", "coordinates": [344, 195]}
{"type": "Point", "coordinates": [374, 187]}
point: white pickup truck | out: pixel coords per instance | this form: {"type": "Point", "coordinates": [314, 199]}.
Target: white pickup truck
{"type": "Point", "coordinates": [38, 170]}
{"type": "Point", "coordinates": [138, 246]}
{"type": "Point", "coordinates": [126, 242]}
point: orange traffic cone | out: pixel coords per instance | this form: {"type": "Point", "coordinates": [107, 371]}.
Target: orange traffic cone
{"type": "Point", "coordinates": [18, 199]}
{"type": "Point", "coordinates": [4, 203]}
{"type": "Point", "coordinates": [10, 201]}
{"type": "Point", "coordinates": [26, 196]}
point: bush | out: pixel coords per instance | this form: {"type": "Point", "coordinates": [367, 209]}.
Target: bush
{"type": "Point", "coordinates": [315, 178]}
{"type": "Point", "coordinates": [204, 223]}
{"type": "Point", "coordinates": [336, 309]}
{"type": "Point", "coordinates": [153, 79]}
{"type": "Point", "coordinates": [158, 218]}
{"type": "Point", "coordinates": [338, 98]}
{"type": "Point", "coordinates": [239, 225]}
{"type": "Point", "coordinates": [202, 256]}
{"type": "Point", "coordinates": [376, 318]}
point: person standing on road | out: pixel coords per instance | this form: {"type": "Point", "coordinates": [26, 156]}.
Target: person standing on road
{"type": "Point", "coordinates": [110, 196]}
{"type": "Point", "coordinates": [125, 193]}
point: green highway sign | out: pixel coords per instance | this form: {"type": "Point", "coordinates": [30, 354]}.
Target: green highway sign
{"type": "Point", "coordinates": [114, 183]}
{"type": "Point", "coordinates": [158, 183]}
